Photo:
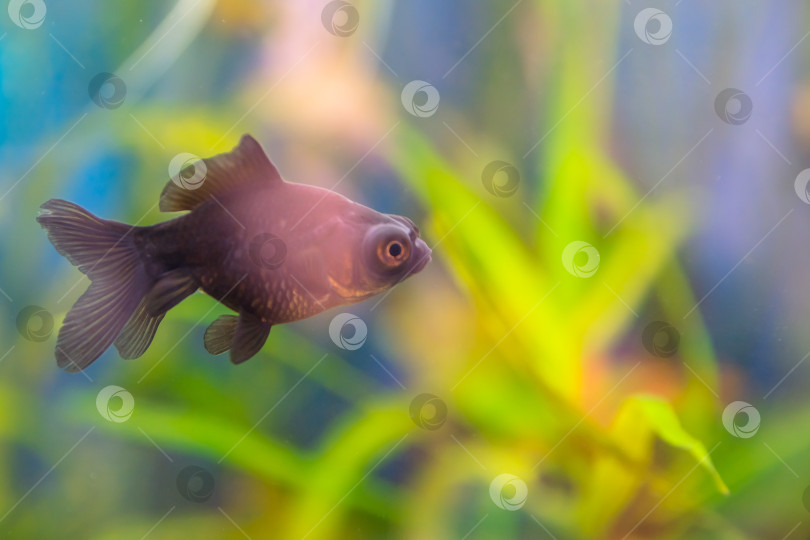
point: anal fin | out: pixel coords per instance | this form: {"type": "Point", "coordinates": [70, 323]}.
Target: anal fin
{"type": "Point", "coordinates": [138, 333]}
{"type": "Point", "coordinates": [170, 290]}
{"type": "Point", "coordinates": [167, 292]}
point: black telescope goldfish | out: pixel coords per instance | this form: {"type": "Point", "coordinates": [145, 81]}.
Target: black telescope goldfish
{"type": "Point", "coordinates": [270, 250]}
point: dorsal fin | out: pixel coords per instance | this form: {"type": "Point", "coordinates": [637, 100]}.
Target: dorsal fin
{"type": "Point", "coordinates": [246, 164]}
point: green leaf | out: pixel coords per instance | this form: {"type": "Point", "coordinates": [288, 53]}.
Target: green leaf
{"type": "Point", "coordinates": [640, 420]}
{"type": "Point", "coordinates": [491, 259]}
{"type": "Point", "coordinates": [350, 453]}
{"type": "Point", "coordinates": [659, 416]}
{"type": "Point", "coordinates": [195, 433]}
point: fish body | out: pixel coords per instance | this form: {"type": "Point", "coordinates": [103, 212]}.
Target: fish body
{"type": "Point", "coordinates": [270, 250]}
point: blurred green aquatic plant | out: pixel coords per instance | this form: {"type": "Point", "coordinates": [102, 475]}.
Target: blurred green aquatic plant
{"type": "Point", "coordinates": [551, 336]}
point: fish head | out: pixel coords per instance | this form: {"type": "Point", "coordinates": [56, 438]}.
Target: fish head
{"type": "Point", "coordinates": [372, 252]}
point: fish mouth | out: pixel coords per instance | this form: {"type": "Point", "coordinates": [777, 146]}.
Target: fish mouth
{"type": "Point", "coordinates": [422, 257]}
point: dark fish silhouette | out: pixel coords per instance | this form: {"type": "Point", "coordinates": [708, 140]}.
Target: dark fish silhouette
{"type": "Point", "coordinates": [272, 251]}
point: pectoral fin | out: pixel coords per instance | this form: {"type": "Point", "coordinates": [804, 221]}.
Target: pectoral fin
{"type": "Point", "coordinates": [219, 336]}
{"type": "Point", "coordinates": [250, 336]}
{"type": "Point", "coordinates": [244, 336]}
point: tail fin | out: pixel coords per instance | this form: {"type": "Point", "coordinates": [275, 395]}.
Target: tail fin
{"type": "Point", "coordinates": [106, 252]}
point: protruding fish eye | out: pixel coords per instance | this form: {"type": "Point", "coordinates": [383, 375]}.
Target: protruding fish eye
{"type": "Point", "coordinates": [394, 249]}
{"type": "Point", "coordinates": [392, 252]}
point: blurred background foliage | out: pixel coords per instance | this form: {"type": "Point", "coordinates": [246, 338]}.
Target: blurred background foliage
{"type": "Point", "coordinates": [543, 374]}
